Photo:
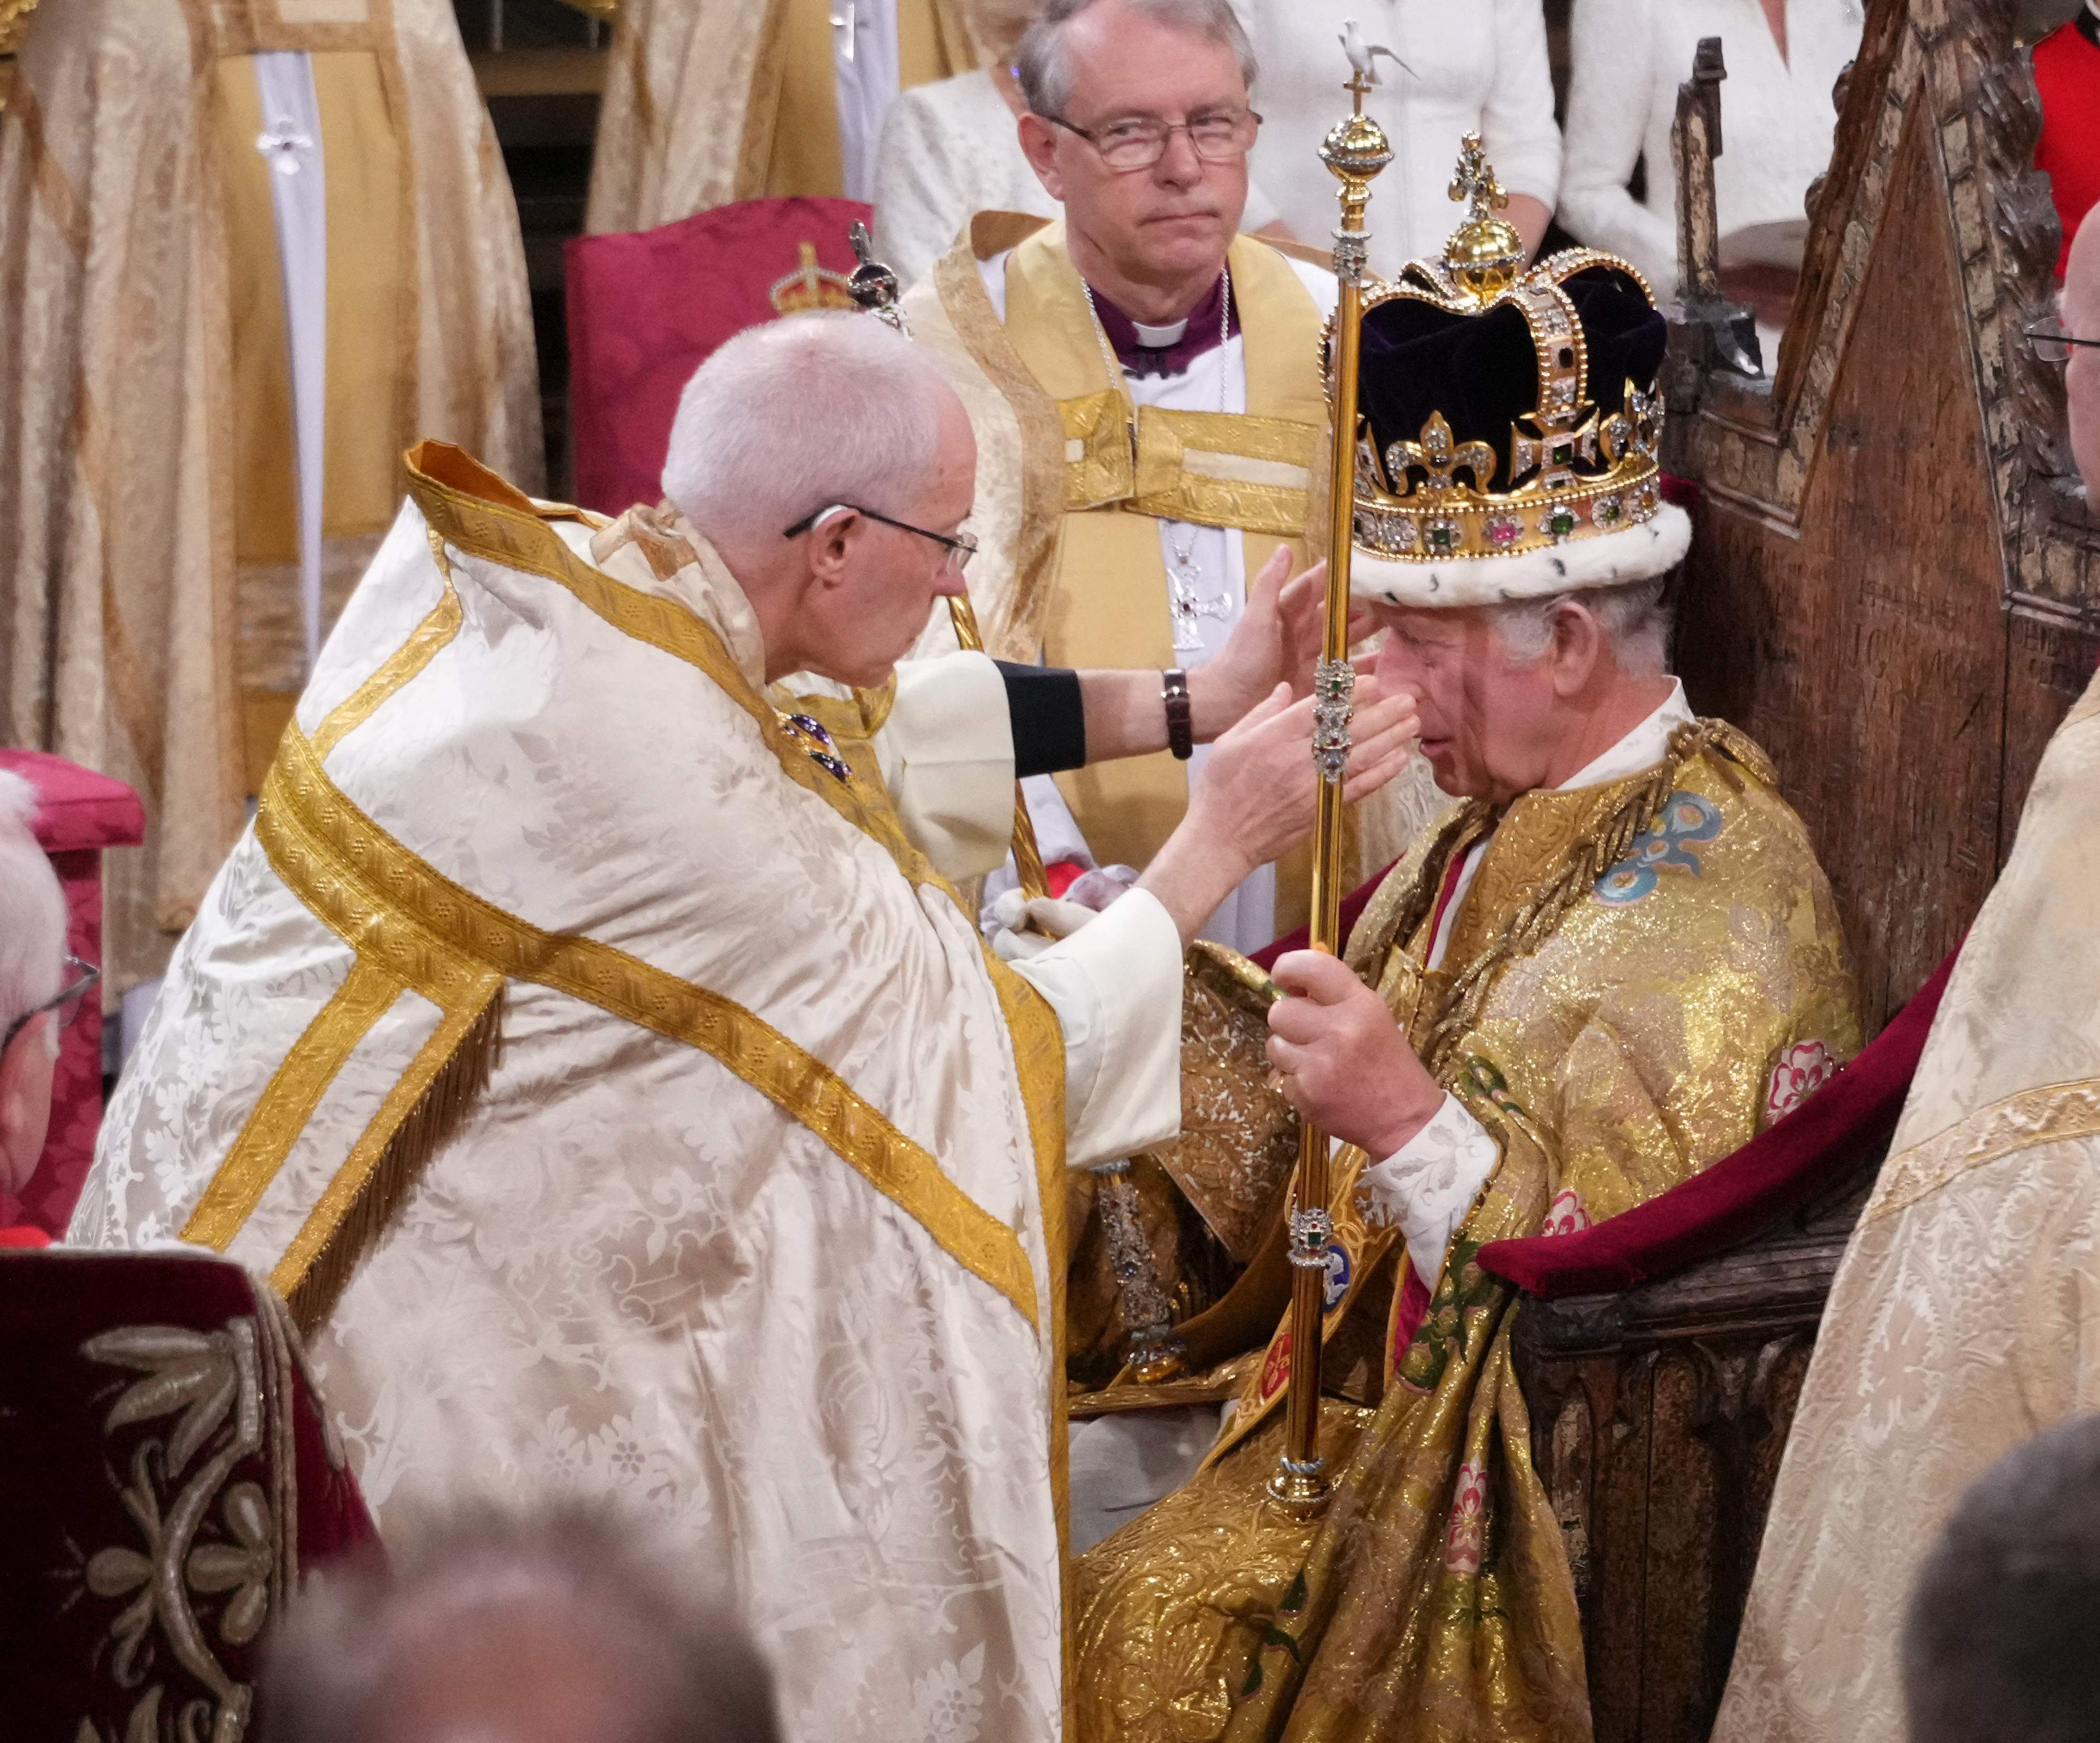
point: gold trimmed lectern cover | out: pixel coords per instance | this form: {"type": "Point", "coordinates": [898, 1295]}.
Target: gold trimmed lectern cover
{"type": "Point", "coordinates": [540, 1041]}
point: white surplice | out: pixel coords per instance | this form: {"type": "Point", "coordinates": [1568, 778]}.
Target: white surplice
{"type": "Point", "coordinates": [628, 1271]}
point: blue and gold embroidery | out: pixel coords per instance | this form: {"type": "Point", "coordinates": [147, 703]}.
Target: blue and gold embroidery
{"type": "Point", "coordinates": [1685, 818]}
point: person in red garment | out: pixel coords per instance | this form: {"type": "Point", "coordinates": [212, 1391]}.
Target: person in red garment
{"type": "Point", "coordinates": [2067, 70]}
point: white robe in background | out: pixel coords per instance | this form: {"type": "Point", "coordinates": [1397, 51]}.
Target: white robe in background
{"type": "Point", "coordinates": [746, 1230]}
{"type": "Point", "coordinates": [1966, 1317]}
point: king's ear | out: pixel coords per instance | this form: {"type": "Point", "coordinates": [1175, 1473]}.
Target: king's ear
{"type": "Point", "coordinates": [1578, 645]}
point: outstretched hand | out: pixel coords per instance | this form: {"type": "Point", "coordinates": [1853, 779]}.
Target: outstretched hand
{"type": "Point", "coordinates": [1257, 793]}
{"type": "Point", "coordinates": [1276, 641]}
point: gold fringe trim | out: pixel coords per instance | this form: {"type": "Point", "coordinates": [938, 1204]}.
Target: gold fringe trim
{"type": "Point", "coordinates": [420, 1111]}
{"type": "Point", "coordinates": [287, 1102]}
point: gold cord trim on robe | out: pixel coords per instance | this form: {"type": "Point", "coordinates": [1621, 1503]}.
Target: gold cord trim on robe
{"type": "Point", "coordinates": [287, 1102]}
{"type": "Point", "coordinates": [388, 904]}
{"type": "Point", "coordinates": [2044, 1114]}
{"type": "Point", "coordinates": [417, 1113]}
{"type": "Point", "coordinates": [424, 644]}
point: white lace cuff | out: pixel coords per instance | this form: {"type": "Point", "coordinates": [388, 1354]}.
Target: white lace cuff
{"type": "Point", "coordinates": [1426, 1186]}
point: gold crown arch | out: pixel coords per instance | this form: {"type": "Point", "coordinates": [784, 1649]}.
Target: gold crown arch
{"type": "Point", "coordinates": [1574, 474]}
{"type": "Point", "coordinates": [1355, 151]}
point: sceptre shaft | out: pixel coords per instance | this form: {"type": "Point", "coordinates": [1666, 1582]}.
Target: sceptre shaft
{"type": "Point", "coordinates": [1355, 151]}
{"type": "Point", "coordinates": [875, 288]}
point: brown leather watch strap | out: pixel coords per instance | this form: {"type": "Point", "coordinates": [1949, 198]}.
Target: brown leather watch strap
{"type": "Point", "coordinates": [1180, 733]}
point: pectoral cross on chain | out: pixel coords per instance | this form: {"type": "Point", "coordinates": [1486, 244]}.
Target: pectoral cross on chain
{"type": "Point", "coordinates": [1187, 611]}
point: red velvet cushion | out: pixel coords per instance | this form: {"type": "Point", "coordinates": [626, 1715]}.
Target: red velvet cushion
{"type": "Point", "coordinates": [1777, 1172]}
{"type": "Point", "coordinates": [646, 309]}
{"type": "Point", "coordinates": [76, 808]}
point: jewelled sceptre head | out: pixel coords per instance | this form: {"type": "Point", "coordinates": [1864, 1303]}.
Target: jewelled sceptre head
{"type": "Point", "coordinates": [875, 287]}
{"type": "Point", "coordinates": [1355, 151]}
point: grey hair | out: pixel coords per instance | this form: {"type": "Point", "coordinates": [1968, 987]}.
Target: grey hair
{"type": "Point", "coordinates": [1044, 59]}
{"type": "Point", "coordinates": [1635, 620]}
{"type": "Point", "coordinates": [33, 911]}
{"type": "Point", "coordinates": [795, 414]}
{"type": "Point", "coordinates": [369, 1642]}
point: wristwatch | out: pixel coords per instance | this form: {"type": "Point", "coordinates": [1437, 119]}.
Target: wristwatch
{"type": "Point", "coordinates": [1174, 692]}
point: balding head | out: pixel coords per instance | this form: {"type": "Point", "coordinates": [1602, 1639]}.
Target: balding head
{"type": "Point", "coordinates": [2081, 375]}
{"type": "Point", "coordinates": [506, 1631]}
{"type": "Point", "coordinates": [834, 416]}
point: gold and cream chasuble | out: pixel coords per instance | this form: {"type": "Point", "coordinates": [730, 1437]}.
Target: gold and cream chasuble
{"type": "Point", "coordinates": [1077, 476]}
{"type": "Point", "coordinates": [150, 544]}
{"type": "Point", "coordinates": [1642, 974]}
{"type": "Point", "coordinates": [1963, 1320]}
{"type": "Point", "coordinates": [625, 1105]}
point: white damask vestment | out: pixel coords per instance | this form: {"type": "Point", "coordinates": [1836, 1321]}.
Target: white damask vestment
{"type": "Point", "coordinates": [1965, 1319]}
{"type": "Point", "coordinates": [626, 1105]}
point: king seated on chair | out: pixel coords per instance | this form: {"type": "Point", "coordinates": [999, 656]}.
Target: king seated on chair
{"type": "Point", "coordinates": [1609, 963]}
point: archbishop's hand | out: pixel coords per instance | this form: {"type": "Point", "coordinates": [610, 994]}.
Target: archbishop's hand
{"type": "Point", "coordinates": [1276, 641]}
{"type": "Point", "coordinates": [1256, 796]}
{"type": "Point", "coordinates": [1341, 1058]}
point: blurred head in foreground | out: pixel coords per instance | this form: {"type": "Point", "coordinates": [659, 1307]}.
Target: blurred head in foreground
{"type": "Point", "coordinates": [501, 1629]}
{"type": "Point", "coordinates": [2002, 1643]}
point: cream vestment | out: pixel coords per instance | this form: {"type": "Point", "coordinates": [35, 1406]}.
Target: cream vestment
{"type": "Point", "coordinates": [166, 522]}
{"type": "Point", "coordinates": [1966, 1317]}
{"type": "Point", "coordinates": [709, 101]}
{"type": "Point", "coordinates": [578, 1042]}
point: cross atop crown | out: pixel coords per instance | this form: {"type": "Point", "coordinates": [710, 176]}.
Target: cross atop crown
{"type": "Point", "coordinates": [1474, 180]}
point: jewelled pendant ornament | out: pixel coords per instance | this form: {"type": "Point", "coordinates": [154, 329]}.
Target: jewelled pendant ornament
{"type": "Point", "coordinates": [823, 749]}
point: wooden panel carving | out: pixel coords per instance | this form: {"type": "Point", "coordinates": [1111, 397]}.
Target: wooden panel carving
{"type": "Point", "coordinates": [1658, 1420]}
{"type": "Point", "coordinates": [1895, 582]}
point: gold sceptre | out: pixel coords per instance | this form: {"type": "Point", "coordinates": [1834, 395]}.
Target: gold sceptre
{"type": "Point", "coordinates": [874, 286]}
{"type": "Point", "coordinates": [1356, 150]}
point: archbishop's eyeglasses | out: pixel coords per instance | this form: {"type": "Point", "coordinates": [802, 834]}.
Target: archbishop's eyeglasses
{"type": "Point", "coordinates": [2052, 343]}
{"type": "Point", "coordinates": [961, 545]}
{"type": "Point", "coordinates": [1140, 141]}
{"type": "Point", "coordinates": [66, 1002]}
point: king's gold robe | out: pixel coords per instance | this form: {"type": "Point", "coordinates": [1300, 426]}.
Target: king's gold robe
{"type": "Point", "coordinates": [626, 1105]}
{"type": "Point", "coordinates": [1642, 973]}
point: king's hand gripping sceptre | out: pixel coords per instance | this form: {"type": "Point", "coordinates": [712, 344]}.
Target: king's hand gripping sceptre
{"type": "Point", "coordinates": [875, 287]}
{"type": "Point", "coordinates": [1356, 150]}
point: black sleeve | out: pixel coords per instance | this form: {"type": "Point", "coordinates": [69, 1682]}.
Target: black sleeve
{"type": "Point", "coordinates": [1049, 720]}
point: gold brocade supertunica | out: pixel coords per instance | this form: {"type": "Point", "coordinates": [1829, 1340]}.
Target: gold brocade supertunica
{"type": "Point", "coordinates": [1678, 978]}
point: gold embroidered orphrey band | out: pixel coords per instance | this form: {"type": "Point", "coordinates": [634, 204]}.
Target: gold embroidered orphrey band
{"type": "Point", "coordinates": [414, 929]}
{"type": "Point", "coordinates": [2045, 1114]}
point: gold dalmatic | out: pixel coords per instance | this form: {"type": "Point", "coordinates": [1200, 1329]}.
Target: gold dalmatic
{"type": "Point", "coordinates": [1636, 973]}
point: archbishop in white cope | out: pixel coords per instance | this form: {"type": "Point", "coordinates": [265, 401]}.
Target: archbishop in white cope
{"type": "Point", "coordinates": [623, 1100]}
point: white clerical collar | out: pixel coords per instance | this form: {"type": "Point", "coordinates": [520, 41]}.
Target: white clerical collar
{"type": "Point", "coordinates": [1158, 338]}
{"type": "Point", "coordinates": [1642, 748]}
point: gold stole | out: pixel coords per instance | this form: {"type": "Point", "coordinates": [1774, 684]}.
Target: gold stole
{"type": "Point", "coordinates": [1255, 471]}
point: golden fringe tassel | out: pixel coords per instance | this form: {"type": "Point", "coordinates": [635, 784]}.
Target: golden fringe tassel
{"type": "Point", "coordinates": [434, 1118]}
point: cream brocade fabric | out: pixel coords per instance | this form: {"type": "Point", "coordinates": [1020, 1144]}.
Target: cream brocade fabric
{"type": "Point", "coordinates": [1634, 1045]}
{"type": "Point", "coordinates": [1965, 1318]}
{"type": "Point", "coordinates": [709, 101]}
{"type": "Point", "coordinates": [711, 1242]}
{"type": "Point", "coordinates": [120, 465]}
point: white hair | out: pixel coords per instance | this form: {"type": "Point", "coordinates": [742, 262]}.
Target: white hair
{"type": "Point", "coordinates": [791, 416]}
{"type": "Point", "coordinates": [1044, 59]}
{"type": "Point", "coordinates": [1633, 617]}
{"type": "Point", "coordinates": [33, 911]}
